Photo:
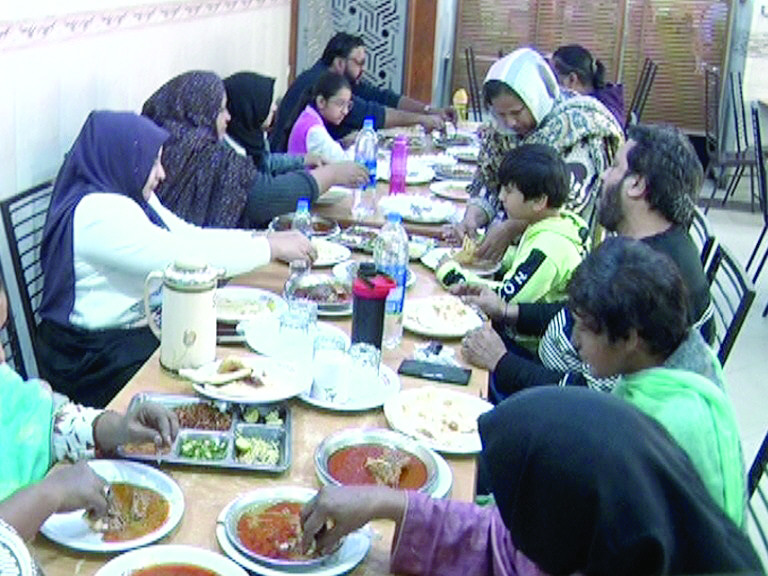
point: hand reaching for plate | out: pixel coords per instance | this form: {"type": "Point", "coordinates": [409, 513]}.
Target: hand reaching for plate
{"type": "Point", "coordinates": [483, 348]}
{"type": "Point", "coordinates": [482, 297]}
{"type": "Point", "coordinates": [338, 510]}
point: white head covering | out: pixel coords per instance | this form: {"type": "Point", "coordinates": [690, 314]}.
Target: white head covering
{"type": "Point", "coordinates": [527, 73]}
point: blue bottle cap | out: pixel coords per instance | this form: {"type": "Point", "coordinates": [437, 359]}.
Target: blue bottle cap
{"type": "Point", "coordinates": [302, 205]}
{"type": "Point", "coordinates": [394, 217]}
{"type": "Point", "coordinates": [368, 123]}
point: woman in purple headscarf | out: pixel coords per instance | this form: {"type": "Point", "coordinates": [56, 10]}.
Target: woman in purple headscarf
{"type": "Point", "coordinates": [207, 182]}
{"type": "Point", "coordinates": [105, 231]}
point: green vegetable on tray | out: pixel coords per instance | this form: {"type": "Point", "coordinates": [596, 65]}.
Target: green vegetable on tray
{"type": "Point", "coordinates": [204, 449]}
{"type": "Point", "coordinates": [257, 451]}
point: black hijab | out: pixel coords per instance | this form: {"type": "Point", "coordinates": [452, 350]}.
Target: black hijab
{"type": "Point", "coordinates": [249, 98]}
{"type": "Point", "coordinates": [587, 483]}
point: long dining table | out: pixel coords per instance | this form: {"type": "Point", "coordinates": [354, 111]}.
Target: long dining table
{"type": "Point", "coordinates": [207, 491]}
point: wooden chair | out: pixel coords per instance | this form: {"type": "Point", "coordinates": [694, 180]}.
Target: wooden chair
{"type": "Point", "coordinates": [757, 505]}
{"type": "Point", "coordinates": [720, 159]}
{"type": "Point", "coordinates": [702, 235]}
{"type": "Point", "coordinates": [24, 218]}
{"type": "Point", "coordinates": [732, 295]}
{"type": "Point", "coordinates": [642, 90]}
{"type": "Point", "coordinates": [474, 88]}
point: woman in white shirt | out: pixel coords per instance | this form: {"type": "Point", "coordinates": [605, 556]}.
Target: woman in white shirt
{"type": "Point", "coordinates": [329, 101]}
{"type": "Point", "coordinates": [106, 230]}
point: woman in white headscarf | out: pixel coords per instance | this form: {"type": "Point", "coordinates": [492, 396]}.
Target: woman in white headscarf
{"type": "Point", "coordinates": [528, 106]}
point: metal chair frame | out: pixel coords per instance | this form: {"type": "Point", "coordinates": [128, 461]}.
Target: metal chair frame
{"type": "Point", "coordinates": [642, 90]}
{"type": "Point", "coordinates": [702, 235]}
{"type": "Point", "coordinates": [474, 89]}
{"type": "Point", "coordinates": [757, 494]}
{"type": "Point", "coordinates": [23, 218]}
{"type": "Point", "coordinates": [732, 294]}
{"type": "Point", "coordinates": [719, 158]}
{"type": "Point", "coordinates": [762, 191]}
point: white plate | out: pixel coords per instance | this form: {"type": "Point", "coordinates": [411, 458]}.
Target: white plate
{"type": "Point", "coordinates": [170, 554]}
{"type": "Point", "coordinates": [418, 173]}
{"type": "Point", "coordinates": [333, 195]}
{"type": "Point", "coordinates": [464, 153]}
{"type": "Point", "coordinates": [263, 337]}
{"type": "Point", "coordinates": [359, 401]}
{"type": "Point", "coordinates": [444, 316]}
{"type": "Point", "coordinates": [282, 380]}
{"type": "Point", "coordinates": [15, 558]}
{"type": "Point", "coordinates": [237, 303]}
{"type": "Point", "coordinates": [329, 253]}
{"type": "Point", "coordinates": [346, 272]}
{"type": "Point", "coordinates": [422, 209]}
{"type": "Point", "coordinates": [426, 414]}
{"type": "Point", "coordinates": [352, 551]}
{"type": "Point", "coordinates": [72, 531]}
{"type": "Point", "coordinates": [455, 190]}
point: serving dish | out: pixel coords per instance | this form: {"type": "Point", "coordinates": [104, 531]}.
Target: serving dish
{"type": "Point", "coordinates": [456, 172]}
{"type": "Point", "coordinates": [170, 555]}
{"type": "Point", "coordinates": [419, 472]}
{"type": "Point", "coordinates": [237, 303]}
{"type": "Point", "coordinates": [329, 253]}
{"type": "Point", "coordinates": [455, 190]}
{"type": "Point", "coordinates": [432, 258]}
{"type": "Point", "coordinates": [70, 529]}
{"type": "Point", "coordinates": [445, 420]}
{"type": "Point", "coordinates": [443, 316]}
{"type": "Point", "coordinates": [359, 237]}
{"type": "Point", "coordinates": [333, 297]}
{"type": "Point", "coordinates": [416, 208]}
{"type": "Point", "coordinates": [457, 139]}
{"type": "Point", "coordinates": [321, 227]}
{"type": "Point", "coordinates": [256, 502]}
{"type": "Point", "coordinates": [265, 426]}
{"type": "Point", "coordinates": [360, 398]}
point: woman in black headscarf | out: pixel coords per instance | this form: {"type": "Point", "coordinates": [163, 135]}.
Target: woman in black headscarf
{"type": "Point", "coordinates": [249, 101]}
{"type": "Point", "coordinates": [583, 483]}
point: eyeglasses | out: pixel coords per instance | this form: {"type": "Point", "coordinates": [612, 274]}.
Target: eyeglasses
{"type": "Point", "coordinates": [342, 104]}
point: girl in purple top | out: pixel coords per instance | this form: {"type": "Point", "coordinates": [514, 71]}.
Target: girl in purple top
{"type": "Point", "coordinates": [584, 483]}
{"type": "Point", "coordinates": [327, 103]}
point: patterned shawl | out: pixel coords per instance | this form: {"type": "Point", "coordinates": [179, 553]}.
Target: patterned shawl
{"type": "Point", "coordinates": [207, 183]}
{"type": "Point", "coordinates": [564, 120]}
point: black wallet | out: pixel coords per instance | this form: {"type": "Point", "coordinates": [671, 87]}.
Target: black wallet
{"type": "Point", "coordinates": [435, 371]}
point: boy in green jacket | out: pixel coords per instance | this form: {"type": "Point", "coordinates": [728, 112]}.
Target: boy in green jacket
{"type": "Point", "coordinates": [534, 187]}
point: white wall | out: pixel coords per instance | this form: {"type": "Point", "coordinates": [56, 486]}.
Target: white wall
{"type": "Point", "coordinates": [56, 71]}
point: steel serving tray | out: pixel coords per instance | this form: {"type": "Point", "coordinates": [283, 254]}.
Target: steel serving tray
{"type": "Point", "coordinates": [321, 227]}
{"type": "Point", "coordinates": [277, 433]}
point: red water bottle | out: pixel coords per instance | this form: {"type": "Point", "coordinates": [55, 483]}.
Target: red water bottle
{"type": "Point", "coordinates": [398, 165]}
{"type": "Point", "coordinates": [370, 291]}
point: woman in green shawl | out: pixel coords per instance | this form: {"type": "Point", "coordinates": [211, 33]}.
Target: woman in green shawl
{"type": "Point", "coordinates": [528, 107]}
{"type": "Point", "coordinates": [630, 320]}
{"type": "Point", "coordinates": [39, 428]}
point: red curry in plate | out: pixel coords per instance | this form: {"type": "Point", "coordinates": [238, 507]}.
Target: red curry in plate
{"type": "Point", "coordinates": [273, 531]}
{"type": "Point", "coordinates": [350, 466]}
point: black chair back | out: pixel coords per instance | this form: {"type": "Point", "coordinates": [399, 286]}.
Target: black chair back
{"type": "Point", "coordinates": [9, 339]}
{"type": "Point", "coordinates": [642, 90]}
{"type": "Point", "coordinates": [702, 235]}
{"type": "Point", "coordinates": [474, 88]}
{"type": "Point", "coordinates": [757, 508]}
{"type": "Point", "coordinates": [732, 295]}
{"type": "Point", "coordinates": [24, 218]}
{"type": "Point", "coordinates": [712, 110]}
{"type": "Point", "coordinates": [762, 191]}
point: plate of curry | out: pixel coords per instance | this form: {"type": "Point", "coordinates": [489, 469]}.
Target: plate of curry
{"type": "Point", "coordinates": [376, 456]}
{"type": "Point", "coordinates": [171, 560]}
{"type": "Point", "coordinates": [265, 526]}
{"type": "Point", "coordinates": [144, 505]}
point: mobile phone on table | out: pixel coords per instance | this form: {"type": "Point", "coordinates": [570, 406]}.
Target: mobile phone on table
{"type": "Point", "coordinates": [435, 371]}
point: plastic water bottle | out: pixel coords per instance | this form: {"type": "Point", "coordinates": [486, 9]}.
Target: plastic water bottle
{"type": "Point", "coordinates": [302, 219]}
{"type": "Point", "coordinates": [366, 145]}
{"type": "Point", "coordinates": [398, 165]}
{"type": "Point", "coordinates": [390, 253]}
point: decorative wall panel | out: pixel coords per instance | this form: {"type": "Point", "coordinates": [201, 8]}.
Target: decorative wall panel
{"type": "Point", "coordinates": [381, 23]}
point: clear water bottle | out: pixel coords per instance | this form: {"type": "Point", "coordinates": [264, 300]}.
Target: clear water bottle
{"type": "Point", "coordinates": [366, 145]}
{"type": "Point", "coordinates": [398, 165]}
{"type": "Point", "coordinates": [390, 253]}
{"type": "Point", "coordinates": [302, 219]}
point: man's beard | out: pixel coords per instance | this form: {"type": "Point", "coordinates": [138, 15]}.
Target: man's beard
{"type": "Point", "coordinates": [351, 79]}
{"type": "Point", "coordinates": [610, 212]}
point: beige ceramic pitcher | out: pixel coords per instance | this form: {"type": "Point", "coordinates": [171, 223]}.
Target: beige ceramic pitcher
{"type": "Point", "coordinates": [188, 333]}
